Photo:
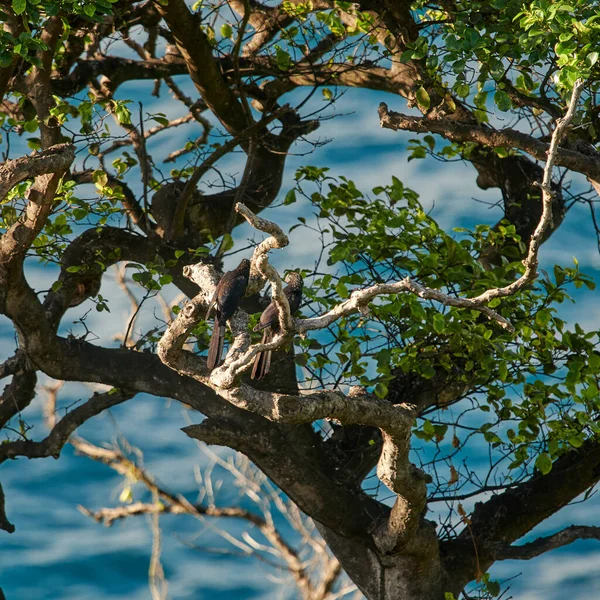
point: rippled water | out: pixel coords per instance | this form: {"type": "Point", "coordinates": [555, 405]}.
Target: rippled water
{"type": "Point", "coordinates": [59, 554]}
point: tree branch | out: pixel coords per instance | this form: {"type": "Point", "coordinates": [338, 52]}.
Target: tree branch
{"type": "Point", "coordinates": [53, 443]}
{"type": "Point", "coordinates": [506, 517]}
{"type": "Point", "coordinates": [545, 544]}
{"type": "Point", "coordinates": [197, 53]}
{"type": "Point", "coordinates": [5, 524]}
{"type": "Point", "coordinates": [17, 396]}
{"type": "Point", "coordinates": [55, 158]}
{"type": "Point", "coordinates": [494, 138]}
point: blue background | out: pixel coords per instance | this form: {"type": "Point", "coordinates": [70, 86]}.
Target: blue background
{"type": "Point", "coordinates": [56, 552]}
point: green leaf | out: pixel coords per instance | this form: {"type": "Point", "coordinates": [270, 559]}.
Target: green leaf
{"type": "Point", "coordinates": [100, 178]}
{"type": "Point", "coordinates": [19, 6]}
{"type": "Point", "coordinates": [423, 98]}
{"type": "Point", "coordinates": [327, 94]}
{"type": "Point", "coordinates": [502, 101]}
{"type": "Point", "coordinates": [591, 59]}
{"type": "Point", "coordinates": [290, 197]}
{"type": "Point", "coordinates": [439, 323]}
{"type": "Point", "coordinates": [502, 371]}
{"type": "Point", "coordinates": [282, 58]}
{"type": "Point", "coordinates": [226, 30]}
{"type": "Point", "coordinates": [381, 390]}
{"type": "Point", "coordinates": [227, 243]}
{"type": "Point", "coordinates": [493, 587]}
{"type": "Point", "coordinates": [594, 363]}
{"type": "Point", "coordinates": [428, 427]}
{"type": "Point", "coordinates": [544, 463]}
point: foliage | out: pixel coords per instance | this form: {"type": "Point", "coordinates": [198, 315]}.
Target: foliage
{"type": "Point", "coordinates": [488, 80]}
{"type": "Point", "coordinates": [535, 393]}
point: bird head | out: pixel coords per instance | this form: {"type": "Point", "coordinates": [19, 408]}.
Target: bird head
{"type": "Point", "coordinates": [244, 268]}
{"type": "Point", "coordinates": [294, 279]}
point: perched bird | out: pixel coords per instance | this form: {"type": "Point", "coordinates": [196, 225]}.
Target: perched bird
{"type": "Point", "coordinates": [269, 322]}
{"type": "Point", "coordinates": [230, 290]}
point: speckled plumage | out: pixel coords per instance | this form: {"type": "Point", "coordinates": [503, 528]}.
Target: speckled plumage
{"type": "Point", "coordinates": [269, 322]}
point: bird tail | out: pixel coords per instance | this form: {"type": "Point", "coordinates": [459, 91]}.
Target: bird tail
{"type": "Point", "coordinates": [262, 362]}
{"type": "Point", "coordinates": [215, 349]}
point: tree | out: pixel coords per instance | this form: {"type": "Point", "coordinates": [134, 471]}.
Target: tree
{"type": "Point", "coordinates": [410, 320]}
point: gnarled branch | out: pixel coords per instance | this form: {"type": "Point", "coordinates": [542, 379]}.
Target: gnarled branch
{"type": "Point", "coordinates": [55, 158]}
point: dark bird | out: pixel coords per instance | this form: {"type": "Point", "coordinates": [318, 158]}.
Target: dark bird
{"type": "Point", "coordinates": [269, 322]}
{"type": "Point", "coordinates": [230, 290]}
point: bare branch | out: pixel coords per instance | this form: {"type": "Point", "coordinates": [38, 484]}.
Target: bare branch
{"type": "Point", "coordinates": [531, 261]}
{"type": "Point", "coordinates": [58, 437]}
{"type": "Point", "coordinates": [147, 134]}
{"type": "Point", "coordinates": [545, 544]}
{"type": "Point", "coordinates": [177, 504]}
{"type": "Point", "coordinates": [170, 348]}
{"type": "Point", "coordinates": [277, 239]}
{"type": "Point", "coordinates": [359, 300]}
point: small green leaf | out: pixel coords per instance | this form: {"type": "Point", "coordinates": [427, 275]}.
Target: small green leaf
{"type": "Point", "coordinates": [227, 243]}
{"type": "Point", "coordinates": [493, 587]}
{"type": "Point", "coordinates": [502, 371]}
{"type": "Point", "coordinates": [423, 98]}
{"type": "Point", "coordinates": [226, 30]}
{"type": "Point", "coordinates": [502, 101]}
{"type": "Point", "coordinates": [591, 59]}
{"type": "Point", "coordinates": [544, 463]}
{"type": "Point", "coordinates": [327, 94]}
{"type": "Point", "coordinates": [381, 390]}
{"type": "Point", "coordinates": [19, 6]}
{"type": "Point", "coordinates": [290, 197]}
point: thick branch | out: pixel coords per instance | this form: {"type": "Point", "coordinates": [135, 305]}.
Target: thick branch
{"type": "Point", "coordinates": [58, 437]}
{"type": "Point", "coordinates": [204, 71]}
{"type": "Point", "coordinates": [5, 524]}
{"type": "Point", "coordinates": [19, 393]}
{"type": "Point", "coordinates": [116, 70]}
{"type": "Point", "coordinates": [457, 131]}
{"type": "Point", "coordinates": [506, 517]}
{"type": "Point", "coordinates": [56, 158]}
{"type": "Point", "coordinates": [15, 242]}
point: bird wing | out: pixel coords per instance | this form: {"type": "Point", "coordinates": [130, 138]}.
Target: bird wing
{"type": "Point", "coordinates": [211, 305]}
{"type": "Point", "coordinates": [230, 295]}
{"type": "Point", "coordinates": [268, 318]}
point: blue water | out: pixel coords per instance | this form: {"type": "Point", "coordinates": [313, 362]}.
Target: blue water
{"type": "Point", "coordinates": [58, 553]}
